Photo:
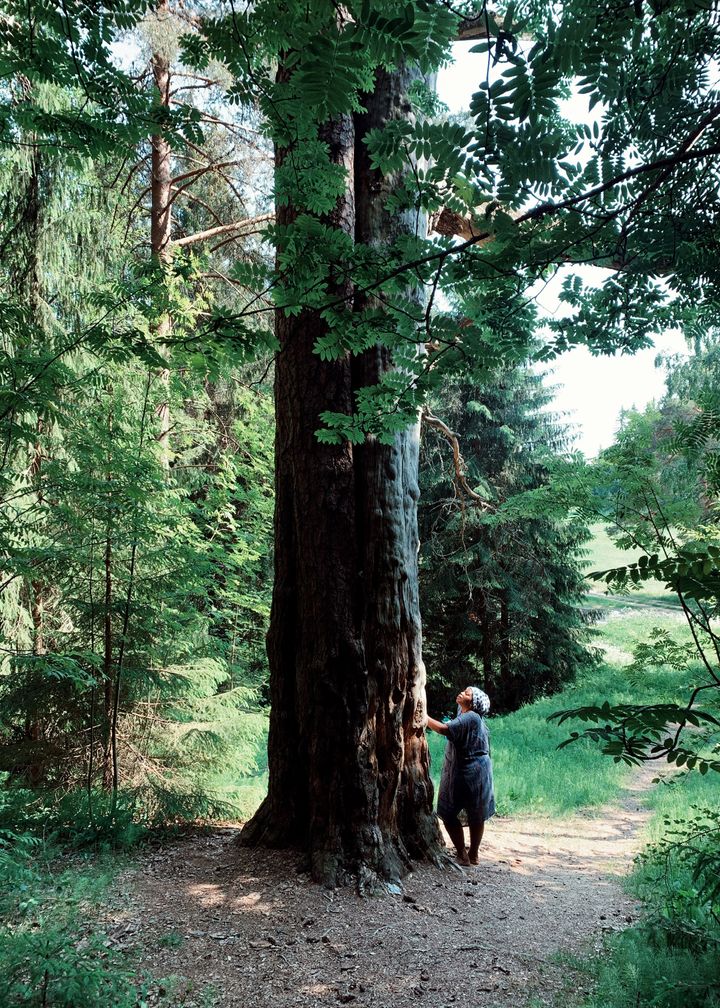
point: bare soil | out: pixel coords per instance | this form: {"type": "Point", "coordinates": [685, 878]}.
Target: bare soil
{"type": "Point", "coordinates": [234, 927]}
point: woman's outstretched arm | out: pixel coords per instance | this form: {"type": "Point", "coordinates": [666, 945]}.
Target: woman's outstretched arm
{"type": "Point", "coordinates": [437, 726]}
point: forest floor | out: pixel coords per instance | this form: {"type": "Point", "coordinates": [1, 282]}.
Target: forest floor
{"type": "Point", "coordinates": [234, 927]}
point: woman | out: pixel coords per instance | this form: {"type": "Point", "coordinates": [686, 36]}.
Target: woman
{"type": "Point", "coordinates": [466, 781]}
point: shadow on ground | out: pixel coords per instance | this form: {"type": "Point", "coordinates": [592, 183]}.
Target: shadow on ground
{"type": "Point", "coordinates": [234, 927]}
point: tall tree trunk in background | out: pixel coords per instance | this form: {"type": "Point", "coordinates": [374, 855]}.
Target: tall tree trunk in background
{"type": "Point", "coordinates": [481, 608]}
{"type": "Point", "coordinates": [108, 676]}
{"type": "Point", "coordinates": [160, 229]}
{"type": "Point", "coordinates": [507, 683]}
{"type": "Point", "coordinates": [349, 775]}
{"type": "Point", "coordinates": [37, 588]}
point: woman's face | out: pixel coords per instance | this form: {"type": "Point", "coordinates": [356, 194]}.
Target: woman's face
{"type": "Point", "coordinates": [464, 699]}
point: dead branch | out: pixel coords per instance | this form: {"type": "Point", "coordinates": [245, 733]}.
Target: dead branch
{"type": "Point", "coordinates": [451, 437]}
{"type": "Point", "coordinates": [224, 229]}
{"type": "Point", "coordinates": [196, 172]}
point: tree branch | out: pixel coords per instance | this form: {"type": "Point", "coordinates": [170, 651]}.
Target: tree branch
{"type": "Point", "coordinates": [196, 172]}
{"type": "Point", "coordinates": [459, 463]}
{"type": "Point", "coordinates": [224, 229]}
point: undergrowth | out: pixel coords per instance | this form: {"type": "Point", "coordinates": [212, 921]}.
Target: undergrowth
{"type": "Point", "coordinates": [52, 952]}
{"type": "Point", "coordinates": [671, 959]}
{"type": "Point", "coordinates": [57, 863]}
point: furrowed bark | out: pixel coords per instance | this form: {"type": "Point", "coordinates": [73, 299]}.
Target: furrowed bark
{"type": "Point", "coordinates": [388, 496]}
{"type": "Point", "coordinates": [314, 650]}
{"type": "Point", "coordinates": [349, 774]}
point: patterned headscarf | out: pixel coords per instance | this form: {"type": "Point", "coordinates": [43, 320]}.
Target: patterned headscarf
{"type": "Point", "coordinates": [480, 701]}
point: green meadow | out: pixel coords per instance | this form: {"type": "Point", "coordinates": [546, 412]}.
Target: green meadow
{"type": "Point", "coordinates": [603, 555]}
{"type": "Point", "coordinates": [531, 774]}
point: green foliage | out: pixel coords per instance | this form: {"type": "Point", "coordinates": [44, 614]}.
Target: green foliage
{"type": "Point", "coordinates": [71, 48]}
{"type": "Point", "coordinates": [48, 953]}
{"type": "Point", "coordinates": [136, 562]}
{"type": "Point", "coordinates": [135, 595]}
{"type": "Point", "coordinates": [653, 489]}
{"type": "Point", "coordinates": [604, 553]}
{"type": "Point", "coordinates": [691, 572]}
{"type": "Point", "coordinates": [580, 200]}
{"type": "Point", "coordinates": [638, 971]}
{"type": "Point", "coordinates": [689, 848]}
{"type": "Point", "coordinates": [671, 956]}
{"type": "Point", "coordinates": [502, 591]}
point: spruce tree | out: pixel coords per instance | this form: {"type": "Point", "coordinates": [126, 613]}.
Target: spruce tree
{"type": "Point", "coordinates": [502, 594]}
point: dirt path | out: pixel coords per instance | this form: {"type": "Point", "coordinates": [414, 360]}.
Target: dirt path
{"type": "Point", "coordinates": [243, 928]}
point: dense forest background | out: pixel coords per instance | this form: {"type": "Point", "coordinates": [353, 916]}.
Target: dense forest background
{"type": "Point", "coordinates": [173, 227]}
{"type": "Point", "coordinates": [137, 472]}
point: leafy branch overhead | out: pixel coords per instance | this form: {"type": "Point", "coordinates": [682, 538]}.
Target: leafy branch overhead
{"type": "Point", "coordinates": [632, 187]}
{"type": "Point", "coordinates": [635, 733]}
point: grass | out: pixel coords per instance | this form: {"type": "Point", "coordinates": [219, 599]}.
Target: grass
{"type": "Point", "coordinates": [603, 554]}
{"type": "Point", "coordinates": [52, 950]}
{"type": "Point", "coordinates": [531, 774]}
{"type": "Point", "coordinates": [671, 959]}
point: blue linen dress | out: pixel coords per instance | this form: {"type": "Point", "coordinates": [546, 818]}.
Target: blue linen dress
{"type": "Point", "coordinates": [466, 781]}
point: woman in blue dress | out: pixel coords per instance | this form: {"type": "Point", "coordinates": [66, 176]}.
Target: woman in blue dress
{"type": "Point", "coordinates": [466, 781]}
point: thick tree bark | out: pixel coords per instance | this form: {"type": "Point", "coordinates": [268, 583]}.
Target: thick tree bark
{"type": "Point", "coordinates": [349, 774]}
{"type": "Point", "coordinates": [388, 497]}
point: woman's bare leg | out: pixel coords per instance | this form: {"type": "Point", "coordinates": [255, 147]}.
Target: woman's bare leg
{"type": "Point", "coordinates": [476, 835]}
{"type": "Point", "coordinates": [457, 835]}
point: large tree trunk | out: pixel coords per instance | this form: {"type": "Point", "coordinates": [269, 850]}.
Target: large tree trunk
{"type": "Point", "coordinates": [349, 776]}
{"type": "Point", "coordinates": [388, 497]}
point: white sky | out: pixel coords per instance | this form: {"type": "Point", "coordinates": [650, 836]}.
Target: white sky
{"type": "Point", "coordinates": [591, 391]}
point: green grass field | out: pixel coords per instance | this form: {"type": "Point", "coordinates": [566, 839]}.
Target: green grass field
{"type": "Point", "coordinates": [603, 554]}
{"type": "Point", "coordinates": [531, 774]}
